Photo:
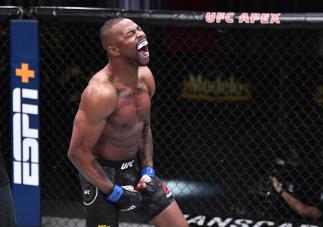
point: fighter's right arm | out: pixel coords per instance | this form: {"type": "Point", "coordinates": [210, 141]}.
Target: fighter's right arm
{"type": "Point", "coordinates": [97, 103]}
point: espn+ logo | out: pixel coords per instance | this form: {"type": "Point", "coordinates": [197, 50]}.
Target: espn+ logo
{"type": "Point", "coordinates": [25, 137]}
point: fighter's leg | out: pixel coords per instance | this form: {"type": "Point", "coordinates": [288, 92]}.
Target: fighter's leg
{"type": "Point", "coordinates": [170, 216]}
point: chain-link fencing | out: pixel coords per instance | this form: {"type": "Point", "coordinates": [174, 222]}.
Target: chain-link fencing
{"type": "Point", "coordinates": [5, 92]}
{"type": "Point", "coordinates": [233, 108]}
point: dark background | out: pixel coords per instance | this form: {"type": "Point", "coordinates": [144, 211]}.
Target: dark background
{"type": "Point", "coordinates": [231, 145]}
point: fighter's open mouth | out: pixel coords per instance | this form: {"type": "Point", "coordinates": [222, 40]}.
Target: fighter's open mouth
{"type": "Point", "coordinates": [143, 46]}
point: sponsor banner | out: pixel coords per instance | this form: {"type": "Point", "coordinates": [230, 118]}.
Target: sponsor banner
{"type": "Point", "coordinates": [25, 121]}
{"type": "Point", "coordinates": [193, 220]}
{"type": "Point", "coordinates": [217, 221]}
{"type": "Point", "coordinates": [242, 18]}
{"type": "Point", "coordinates": [216, 89]}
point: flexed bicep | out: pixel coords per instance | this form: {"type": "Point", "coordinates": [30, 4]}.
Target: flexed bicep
{"type": "Point", "coordinates": [96, 105]}
{"type": "Point", "coordinates": [85, 132]}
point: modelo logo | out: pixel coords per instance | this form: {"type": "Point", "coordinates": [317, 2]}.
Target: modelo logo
{"type": "Point", "coordinates": [25, 138]}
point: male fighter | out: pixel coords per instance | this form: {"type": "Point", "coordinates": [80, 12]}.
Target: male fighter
{"type": "Point", "coordinates": [112, 145]}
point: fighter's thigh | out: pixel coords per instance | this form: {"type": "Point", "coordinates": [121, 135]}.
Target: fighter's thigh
{"type": "Point", "coordinates": [170, 216]}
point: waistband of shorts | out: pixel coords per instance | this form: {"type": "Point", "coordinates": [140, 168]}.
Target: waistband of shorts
{"type": "Point", "coordinates": [123, 164]}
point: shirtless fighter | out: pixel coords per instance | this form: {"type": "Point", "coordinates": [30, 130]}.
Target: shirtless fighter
{"type": "Point", "coordinates": [112, 144]}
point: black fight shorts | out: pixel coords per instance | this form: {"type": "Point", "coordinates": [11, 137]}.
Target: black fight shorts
{"type": "Point", "coordinates": [100, 212]}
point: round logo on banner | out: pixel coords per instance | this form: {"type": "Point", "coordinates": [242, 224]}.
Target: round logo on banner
{"type": "Point", "coordinates": [90, 192]}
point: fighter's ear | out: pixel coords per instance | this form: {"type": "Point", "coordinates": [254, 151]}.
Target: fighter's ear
{"type": "Point", "coordinates": [113, 51]}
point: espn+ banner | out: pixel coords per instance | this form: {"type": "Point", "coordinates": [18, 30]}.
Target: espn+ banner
{"type": "Point", "coordinates": [25, 121]}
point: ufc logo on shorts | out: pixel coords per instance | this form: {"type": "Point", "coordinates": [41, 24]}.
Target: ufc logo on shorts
{"type": "Point", "coordinates": [25, 138]}
{"type": "Point", "coordinates": [126, 165]}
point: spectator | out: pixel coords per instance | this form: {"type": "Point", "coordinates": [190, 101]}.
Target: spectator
{"type": "Point", "coordinates": [298, 206]}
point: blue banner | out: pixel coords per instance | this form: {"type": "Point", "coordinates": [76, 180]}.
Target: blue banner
{"type": "Point", "coordinates": [24, 49]}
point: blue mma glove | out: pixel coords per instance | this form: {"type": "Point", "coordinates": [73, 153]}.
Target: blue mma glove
{"type": "Point", "coordinates": [149, 179]}
{"type": "Point", "coordinates": [124, 199]}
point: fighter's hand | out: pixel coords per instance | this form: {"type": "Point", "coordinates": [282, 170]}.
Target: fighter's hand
{"type": "Point", "coordinates": [124, 199]}
{"type": "Point", "coordinates": [277, 185]}
{"type": "Point", "coordinates": [147, 182]}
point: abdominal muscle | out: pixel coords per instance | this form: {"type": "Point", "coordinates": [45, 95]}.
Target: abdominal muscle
{"type": "Point", "coordinates": [119, 144]}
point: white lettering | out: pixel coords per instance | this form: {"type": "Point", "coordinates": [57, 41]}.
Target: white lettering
{"type": "Point", "coordinates": [26, 130]}
{"type": "Point", "coordinates": [286, 225]}
{"type": "Point", "coordinates": [199, 220]}
{"type": "Point", "coordinates": [266, 223]}
{"type": "Point", "coordinates": [126, 165]}
{"type": "Point", "coordinates": [229, 18]}
{"type": "Point", "coordinates": [219, 17]}
{"type": "Point", "coordinates": [242, 223]}
{"type": "Point", "coordinates": [262, 18]}
{"type": "Point", "coordinates": [29, 109]}
{"type": "Point", "coordinates": [244, 18]}
{"type": "Point", "coordinates": [219, 222]}
{"type": "Point", "coordinates": [17, 172]}
{"type": "Point", "coordinates": [306, 225]}
{"type": "Point", "coordinates": [16, 94]}
{"type": "Point", "coordinates": [17, 136]}
{"type": "Point", "coordinates": [25, 143]}
{"type": "Point", "coordinates": [210, 17]}
{"type": "Point", "coordinates": [275, 18]}
{"type": "Point", "coordinates": [203, 220]}
{"type": "Point", "coordinates": [30, 150]}
{"type": "Point", "coordinates": [254, 17]}
{"type": "Point", "coordinates": [29, 93]}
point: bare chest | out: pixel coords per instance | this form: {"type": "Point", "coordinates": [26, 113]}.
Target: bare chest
{"type": "Point", "coordinates": [132, 109]}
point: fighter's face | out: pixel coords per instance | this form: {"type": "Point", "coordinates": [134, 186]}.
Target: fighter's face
{"type": "Point", "coordinates": [132, 42]}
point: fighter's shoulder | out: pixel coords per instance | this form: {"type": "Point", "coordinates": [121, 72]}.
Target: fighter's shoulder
{"type": "Point", "coordinates": [99, 91]}
{"type": "Point", "coordinates": [146, 75]}
{"type": "Point", "coordinates": [99, 96]}
{"type": "Point", "coordinates": [145, 72]}
{"type": "Point", "coordinates": [100, 87]}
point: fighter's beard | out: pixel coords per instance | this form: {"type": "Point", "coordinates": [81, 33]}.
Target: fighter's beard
{"type": "Point", "coordinates": [138, 63]}
{"type": "Point", "coordinates": [142, 64]}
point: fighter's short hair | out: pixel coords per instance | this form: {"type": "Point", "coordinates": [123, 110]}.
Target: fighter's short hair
{"type": "Point", "coordinates": [106, 27]}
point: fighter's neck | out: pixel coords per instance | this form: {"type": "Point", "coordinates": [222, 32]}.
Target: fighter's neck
{"type": "Point", "coordinates": [124, 73]}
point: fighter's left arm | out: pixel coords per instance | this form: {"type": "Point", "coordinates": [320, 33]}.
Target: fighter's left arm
{"type": "Point", "coordinates": [145, 153]}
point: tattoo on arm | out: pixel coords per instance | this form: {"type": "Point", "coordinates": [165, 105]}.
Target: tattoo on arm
{"type": "Point", "coordinates": [145, 154]}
